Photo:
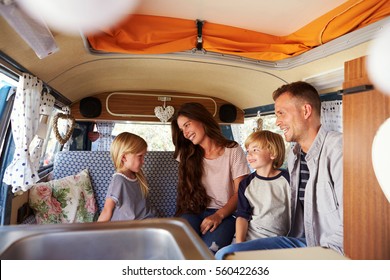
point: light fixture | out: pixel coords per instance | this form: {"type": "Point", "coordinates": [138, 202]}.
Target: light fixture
{"type": "Point", "coordinates": [164, 113]}
{"type": "Point", "coordinates": [381, 156]}
{"type": "Point", "coordinates": [378, 61]}
{"type": "Point", "coordinates": [75, 16]}
{"type": "Point", "coordinates": [378, 68]}
{"type": "Point", "coordinates": [33, 31]}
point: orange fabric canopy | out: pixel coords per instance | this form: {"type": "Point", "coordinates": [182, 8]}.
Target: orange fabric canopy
{"type": "Point", "coordinates": [143, 34]}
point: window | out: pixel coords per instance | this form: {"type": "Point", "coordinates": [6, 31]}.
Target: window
{"type": "Point", "coordinates": [50, 146]}
{"type": "Point", "coordinates": [7, 81]}
{"type": "Point", "coordinates": [6, 84]}
{"type": "Point", "coordinates": [158, 136]}
{"type": "Point", "coordinates": [7, 147]}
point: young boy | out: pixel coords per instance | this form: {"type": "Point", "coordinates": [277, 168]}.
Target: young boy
{"type": "Point", "coordinates": [264, 196]}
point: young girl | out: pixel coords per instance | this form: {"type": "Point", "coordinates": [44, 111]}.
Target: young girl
{"type": "Point", "coordinates": [127, 192]}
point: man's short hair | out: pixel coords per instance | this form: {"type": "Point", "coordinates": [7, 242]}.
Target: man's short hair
{"type": "Point", "coordinates": [302, 91]}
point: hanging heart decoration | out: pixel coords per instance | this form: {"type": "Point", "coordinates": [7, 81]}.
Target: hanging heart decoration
{"type": "Point", "coordinates": [68, 134]}
{"type": "Point", "coordinates": [164, 113]}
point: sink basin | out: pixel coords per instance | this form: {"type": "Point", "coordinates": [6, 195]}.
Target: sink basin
{"type": "Point", "coordinates": [162, 239]}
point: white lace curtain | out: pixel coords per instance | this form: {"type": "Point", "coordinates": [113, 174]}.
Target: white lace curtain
{"type": "Point", "coordinates": [105, 135]}
{"type": "Point", "coordinates": [21, 174]}
{"type": "Point", "coordinates": [332, 115]}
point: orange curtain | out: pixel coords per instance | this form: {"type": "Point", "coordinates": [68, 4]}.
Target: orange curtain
{"type": "Point", "coordinates": [142, 34]}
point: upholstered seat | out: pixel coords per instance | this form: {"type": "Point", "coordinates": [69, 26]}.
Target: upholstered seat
{"type": "Point", "coordinates": [161, 171]}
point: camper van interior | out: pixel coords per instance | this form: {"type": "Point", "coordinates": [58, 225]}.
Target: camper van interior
{"type": "Point", "coordinates": [90, 70]}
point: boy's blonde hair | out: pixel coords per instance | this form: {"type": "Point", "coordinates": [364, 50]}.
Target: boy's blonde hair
{"type": "Point", "coordinates": [271, 141]}
{"type": "Point", "coordinates": [129, 143]}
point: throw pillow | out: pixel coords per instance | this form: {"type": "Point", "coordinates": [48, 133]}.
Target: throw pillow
{"type": "Point", "coordinates": [67, 200]}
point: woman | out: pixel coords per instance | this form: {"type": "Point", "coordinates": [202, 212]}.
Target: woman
{"type": "Point", "coordinates": [210, 170]}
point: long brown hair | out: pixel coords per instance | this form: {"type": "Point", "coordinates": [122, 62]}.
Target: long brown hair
{"type": "Point", "coordinates": [192, 196]}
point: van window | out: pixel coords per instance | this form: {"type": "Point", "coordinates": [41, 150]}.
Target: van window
{"type": "Point", "coordinates": [242, 131]}
{"type": "Point", "coordinates": [7, 81]}
{"type": "Point", "coordinates": [50, 146]}
{"type": "Point", "coordinates": [158, 136]}
{"type": "Point", "coordinates": [7, 86]}
{"type": "Point", "coordinates": [7, 147]}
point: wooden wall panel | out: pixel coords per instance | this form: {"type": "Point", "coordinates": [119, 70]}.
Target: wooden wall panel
{"type": "Point", "coordinates": [139, 103]}
{"type": "Point", "coordinates": [355, 73]}
{"type": "Point", "coordinates": [366, 209]}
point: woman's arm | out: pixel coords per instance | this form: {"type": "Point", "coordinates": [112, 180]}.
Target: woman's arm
{"type": "Point", "coordinates": [211, 222]}
{"type": "Point", "coordinates": [107, 211]}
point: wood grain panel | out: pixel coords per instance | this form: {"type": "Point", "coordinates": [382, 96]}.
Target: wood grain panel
{"type": "Point", "coordinates": [355, 73]}
{"type": "Point", "coordinates": [143, 103]}
{"type": "Point", "coordinates": [366, 209]}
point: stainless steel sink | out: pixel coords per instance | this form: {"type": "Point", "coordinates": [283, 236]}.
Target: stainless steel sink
{"type": "Point", "coordinates": [162, 239]}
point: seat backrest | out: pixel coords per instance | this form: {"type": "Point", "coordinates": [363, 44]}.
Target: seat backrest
{"type": "Point", "coordinates": [161, 171]}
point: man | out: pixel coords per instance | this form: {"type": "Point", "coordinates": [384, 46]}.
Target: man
{"type": "Point", "coordinates": [316, 179]}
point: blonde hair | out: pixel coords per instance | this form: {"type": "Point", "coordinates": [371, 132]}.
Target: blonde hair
{"type": "Point", "coordinates": [129, 143]}
{"type": "Point", "coordinates": [271, 141]}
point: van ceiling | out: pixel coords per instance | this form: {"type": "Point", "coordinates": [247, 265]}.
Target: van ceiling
{"type": "Point", "coordinates": [276, 17]}
{"type": "Point", "coordinates": [76, 73]}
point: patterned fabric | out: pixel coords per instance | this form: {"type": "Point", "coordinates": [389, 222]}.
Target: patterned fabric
{"type": "Point", "coordinates": [332, 115]}
{"type": "Point", "coordinates": [47, 104]}
{"type": "Point", "coordinates": [105, 135]}
{"type": "Point", "coordinates": [66, 200]}
{"type": "Point", "coordinates": [45, 109]}
{"type": "Point", "coordinates": [303, 178]}
{"type": "Point", "coordinates": [160, 169]}
{"type": "Point", "coordinates": [30, 220]}
{"type": "Point", "coordinates": [21, 173]}
{"type": "Point", "coordinates": [99, 165]}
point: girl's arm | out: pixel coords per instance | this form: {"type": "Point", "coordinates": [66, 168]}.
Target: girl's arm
{"type": "Point", "coordinates": [211, 222]}
{"type": "Point", "coordinates": [108, 208]}
{"type": "Point", "coordinates": [241, 229]}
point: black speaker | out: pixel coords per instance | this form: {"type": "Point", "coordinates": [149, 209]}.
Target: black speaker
{"type": "Point", "coordinates": [90, 107]}
{"type": "Point", "coordinates": [227, 113]}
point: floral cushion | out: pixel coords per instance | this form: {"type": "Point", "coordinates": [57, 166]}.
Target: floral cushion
{"type": "Point", "coordinates": [67, 200]}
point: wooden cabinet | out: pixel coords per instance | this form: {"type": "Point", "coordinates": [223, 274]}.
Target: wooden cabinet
{"type": "Point", "coordinates": [366, 209]}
